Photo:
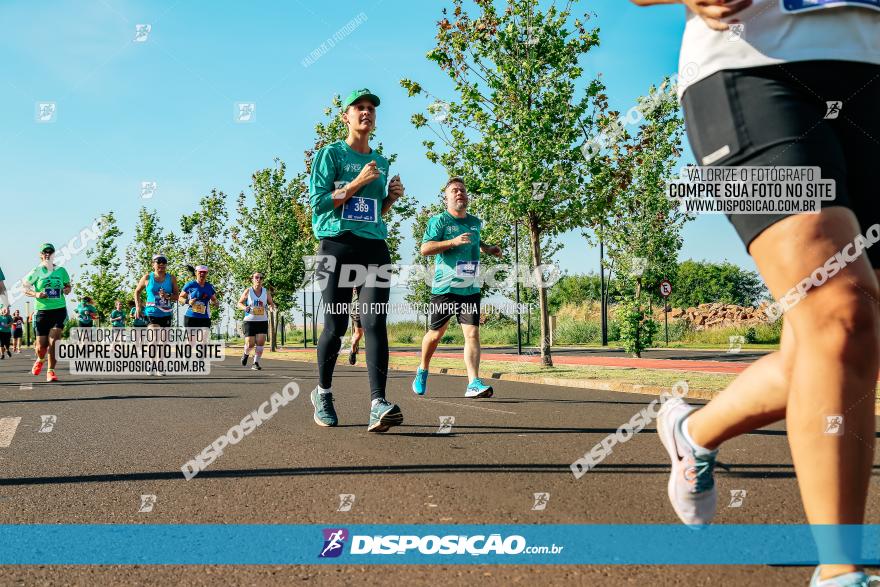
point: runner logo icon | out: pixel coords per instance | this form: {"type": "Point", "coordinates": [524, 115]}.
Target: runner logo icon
{"type": "Point", "coordinates": [334, 541]}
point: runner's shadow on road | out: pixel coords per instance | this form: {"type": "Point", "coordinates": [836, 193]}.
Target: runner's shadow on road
{"type": "Point", "coordinates": [111, 397]}
{"type": "Point", "coordinates": [760, 471]}
{"type": "Point", "coordinates": [549, 400]}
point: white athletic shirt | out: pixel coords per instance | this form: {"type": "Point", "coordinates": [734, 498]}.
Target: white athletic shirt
{"type": "Point", "coordinates": [771, 36]}
{"type": "Point", "coordinates": [257, 303]}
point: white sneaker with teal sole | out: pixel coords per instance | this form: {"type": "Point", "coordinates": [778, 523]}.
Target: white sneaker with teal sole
{"type": "Point", "coordinates": [477, 388]}
{"type": "Point", "coordinates": [691, 486]}
{"type": "Point", "coordinates": [857, 579]}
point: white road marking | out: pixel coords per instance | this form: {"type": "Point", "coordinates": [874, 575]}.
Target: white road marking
{"type": "Point", "coordinates": [8, 426]}
{"type": "Point", "coordinates": [430, 399]}
{"type": "Point", "coordinates": [26, 387]}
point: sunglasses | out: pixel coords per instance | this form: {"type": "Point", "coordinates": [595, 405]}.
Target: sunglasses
{"type": "Point", "coordinates": [258, 277]}
{"type": "Point", "coordinates": [48, 252]}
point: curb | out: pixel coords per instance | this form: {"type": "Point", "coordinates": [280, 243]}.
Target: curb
{"type": "Point", "coordinates": [600, 384]}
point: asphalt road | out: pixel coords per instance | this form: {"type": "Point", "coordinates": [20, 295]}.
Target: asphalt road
{"type": "Point", "coordinates": [114, 440]}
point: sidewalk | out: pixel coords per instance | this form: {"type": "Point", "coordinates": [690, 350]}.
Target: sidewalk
{"type": "Point", "coordinates": [699, 366]}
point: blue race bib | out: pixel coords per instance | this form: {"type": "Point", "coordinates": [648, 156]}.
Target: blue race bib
{"type": "Point", "coordinates": [360, 209]}
{"type": "Point", "coordinates": [52, 293]}
{"type": "Point", "coordinates": [466, 268]}
{"type": "Point", "coordinates": [799, 6]}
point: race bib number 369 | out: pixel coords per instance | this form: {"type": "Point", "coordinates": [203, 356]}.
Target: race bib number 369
{"type": "Point", "coordinates": [360, 210]}
{"type": "Point", "coordinates": [798, 6]}
{"type": "Point", "coordinates": [466, 268]}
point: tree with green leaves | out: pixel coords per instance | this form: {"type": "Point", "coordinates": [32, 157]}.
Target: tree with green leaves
{"type": "Point", "coordinates": [271, 235]}
{"type": "Point", "coordinates": [104, 282]}
{"type": "Point", "coordinates": [205, 241]}
{"type": "Point", "coordinates": [641, 228]}
{"type": "Point", "coordinates": [702, 282]}
{"type": "Point", "coordinates": [516, 129]}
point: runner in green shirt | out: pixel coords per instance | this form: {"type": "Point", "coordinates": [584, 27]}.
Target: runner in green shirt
{"type": "Point", "coordinates": [117, 316]}
{"type": "Point", "coordinates": [48, 284]}
{"type": "Point", "coordinates": [137, 321]}
{"type": "Point", "coordinates": [86, 313]}
{"type": "Point", "coordinates": [348, 196]}
{"type": "Point", "coordinates": [454, 237]}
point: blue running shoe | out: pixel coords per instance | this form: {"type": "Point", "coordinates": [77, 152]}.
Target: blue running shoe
{"type": "Point", "coordinates": [420, 383]}
{"type": "Point", "coordinates": [477, 388]}
{"type": "Point", "coordinates": [383, 416]}
{"type": "Point", "coordinates": [856, 579]}
{"type": "Point", "coordinates": [325, 413]}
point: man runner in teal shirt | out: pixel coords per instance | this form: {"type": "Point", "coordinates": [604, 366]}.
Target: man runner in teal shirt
{"type": "Point", "coordinates": [454, 237]}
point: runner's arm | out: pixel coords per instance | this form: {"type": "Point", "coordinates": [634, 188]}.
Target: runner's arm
{"type": "Point", "coordinates": [214, 301]}
{"type": "Point", "coordinates": [429, 248]}
{"type": "Point", "coordinates": [241, 300]}
{"type": "Point", "coordinates": [270, 301]}
{"type": "Point", "coordinates": [174, 289]}
{"type": "Point", "coordinates": [395, 192]}
{"type": "Point", "coordinates": [141, 286]}
{"type": "Point", "coordinates": [490, 249]}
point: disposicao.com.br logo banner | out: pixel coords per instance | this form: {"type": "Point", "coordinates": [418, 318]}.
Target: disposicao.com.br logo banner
{"type": "Point", "coordinates": [367, 544]}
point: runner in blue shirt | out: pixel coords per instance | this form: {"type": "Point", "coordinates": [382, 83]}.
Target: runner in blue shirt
{"type": "Point", "coordinates": [198, 295]}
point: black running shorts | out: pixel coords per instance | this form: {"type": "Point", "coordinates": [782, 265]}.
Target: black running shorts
{"type": "Point", "coordinates": [254, 328]}
{"type": "Point", "coordinates": [783, 115]}
{"type": "Point", "coordinates": [444, 306]}
{"type": "Point", "coordinates": [46, 320]}
{"type": "Point", "coordinates": [161, 321]}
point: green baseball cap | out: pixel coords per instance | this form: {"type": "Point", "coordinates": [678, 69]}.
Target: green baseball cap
{"type": "Point", "coordinates": [47, 246]}
{"type": "Point", "coordinates": [357, 95]}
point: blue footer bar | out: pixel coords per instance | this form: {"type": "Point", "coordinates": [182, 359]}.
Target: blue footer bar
{"type": "Point", "coordinates": [270, 544]}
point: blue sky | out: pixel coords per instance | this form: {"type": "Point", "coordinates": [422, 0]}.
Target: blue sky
{"type": "Point", "coordinates": [162, 110]}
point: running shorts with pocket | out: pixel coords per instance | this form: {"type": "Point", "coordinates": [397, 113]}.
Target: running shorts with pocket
{"type": "Point", "coordinates": [444, 306]}
{"type": "Point", "coordinates": [46, 320]}
{"type": "Point", "coordinates": [798, 114]}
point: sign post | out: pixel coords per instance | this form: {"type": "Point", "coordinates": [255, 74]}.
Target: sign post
{"type": "Point", "coordinates": [665, 290]}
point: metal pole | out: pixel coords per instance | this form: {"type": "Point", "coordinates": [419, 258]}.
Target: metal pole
{"type": "Point", "coordinates": [282, 330]}
{"type": "Point", "coordinates": [602, 294]}
{"type": "Point", "coordinates": [305, 324]}
{"type": "Point", "coordinates": [518, 318]}
{"type": "Point", "coordinates": [666, 319]}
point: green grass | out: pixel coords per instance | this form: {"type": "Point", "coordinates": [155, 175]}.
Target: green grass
{"type": "Point", "coordinates": [706, 382]}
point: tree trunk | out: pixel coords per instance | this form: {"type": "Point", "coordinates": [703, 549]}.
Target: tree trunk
{"type": "Point", "coordinates": [535, 242]}
{"type": "Point", "coordinates": [639, 325]}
